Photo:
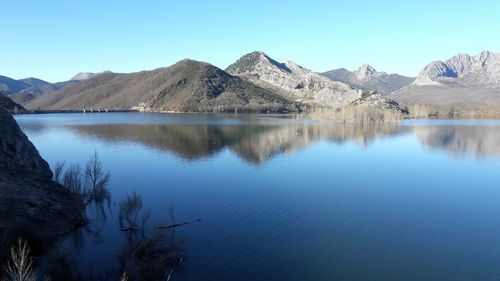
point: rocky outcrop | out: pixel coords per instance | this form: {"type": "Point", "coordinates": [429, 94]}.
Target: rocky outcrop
{"type": "Point", "coordinates": [87, 75]}
{"type": "Point", "coordinates": [18, 156]}
{"type": "Point", "coordinates": [31, 204]}
{"type": "Point", "coordinates": [8, 104]}
{"type": "Point", "coordinates": [379, 101]}
{"type": "Point", "coordinates": [292, 81]}
{"type": "Point", "coordinates": [368, 78]}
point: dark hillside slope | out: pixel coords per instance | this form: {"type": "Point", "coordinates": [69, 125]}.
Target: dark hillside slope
{"type": "Point", "coordinates": [187, 86]}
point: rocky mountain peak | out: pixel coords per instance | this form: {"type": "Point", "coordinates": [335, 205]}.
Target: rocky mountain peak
{"type": "Point", "coordinates": [460, 64]}
{"type": "Point", "coordinates": [292, 81]}
{"type": "Point", "coordinates": [255, 60]}
{"type": "Point", "coordinates": [484, 55]}
{"type": "Point", "coordinates": [365, 70]}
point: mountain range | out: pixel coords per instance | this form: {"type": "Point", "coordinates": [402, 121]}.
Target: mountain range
{"type": "Point", "coordinates": [23, 90]}
{"type": "Point", "coordinates": [258, 83]}
{"type": "Point", "coordinates": [292, 81]}
{"type": "Point", "coordinates": [369, 79]}
{"type": "Point", "coordinates": [187, 86]}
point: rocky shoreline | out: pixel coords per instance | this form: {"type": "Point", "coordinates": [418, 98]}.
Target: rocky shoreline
{"type": "Point", "coordinates": [31, 203]}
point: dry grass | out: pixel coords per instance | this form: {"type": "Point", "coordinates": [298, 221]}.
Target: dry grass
{"type": "Point", "coordinates": [20, 266]}
{"type": "Point", "coordinates": [453, 111]}
{"type": "Point", "coordinates": [370, 114]}
{"type": "Point", "coordinates": [357, 114]}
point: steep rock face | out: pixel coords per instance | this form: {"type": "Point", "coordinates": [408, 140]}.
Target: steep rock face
{"type": "Point", "coordinates": [187, 86]}
{"type": "Point", "coordinates": [368, 78]}
{"type": "Point", "coordinates": [31, 204]}
{"type": "Point", "coordinates": [17, 154]}
{"type": "Point", "coordinates": [292, 81]}
{"type": "Point", "coordinates": [463, 70]}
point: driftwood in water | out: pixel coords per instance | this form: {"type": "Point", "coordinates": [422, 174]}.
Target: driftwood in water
{"type": "Point", "coordinates": [167, 226]}
{"type": "Point", "coordinates": [175, 225]}
{"type": "Point", "coordinates": [171, 225]}
{"type": "Point", "coordinates": [132, 228]}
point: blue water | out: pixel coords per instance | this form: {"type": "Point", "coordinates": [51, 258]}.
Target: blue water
{"type": "Point", "coordinates": [282, 198]}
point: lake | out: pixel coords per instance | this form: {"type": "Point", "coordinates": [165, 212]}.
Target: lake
{"type": "Point", "coordinates": [282, 198]}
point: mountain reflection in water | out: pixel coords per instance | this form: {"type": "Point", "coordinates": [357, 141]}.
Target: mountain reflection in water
{"type": "Point", "coordinates": [461, 140]}
{"type": "Point", "coordinates": [259, 143]}
{"type": "Point", "coordinates": [253, 143]}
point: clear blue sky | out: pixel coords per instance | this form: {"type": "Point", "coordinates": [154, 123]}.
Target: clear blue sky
{"type": "Point", "coordinates": [53, 40]}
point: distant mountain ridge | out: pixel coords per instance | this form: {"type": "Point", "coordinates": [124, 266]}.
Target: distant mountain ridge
{"type": "Point", "coordinates": [23, 90]}
{"type": "Point", "coordinates": [255, 79]}
{"type": "Point", "coordinates": [462, 80]}
{"type": "Point", "coordinates": [9, 85]}
{"type": "Point", "coordinates": [368, 78]}
{"type": "Point", "coordinates": [292, 81]}
{"type": "Point", "coordinates": [463, 70]}
{"type": "Point", "coordinates": [31, 85]}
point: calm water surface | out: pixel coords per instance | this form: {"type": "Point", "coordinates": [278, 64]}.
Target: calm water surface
{"type": "Point", "coordinates": [275, 198]}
